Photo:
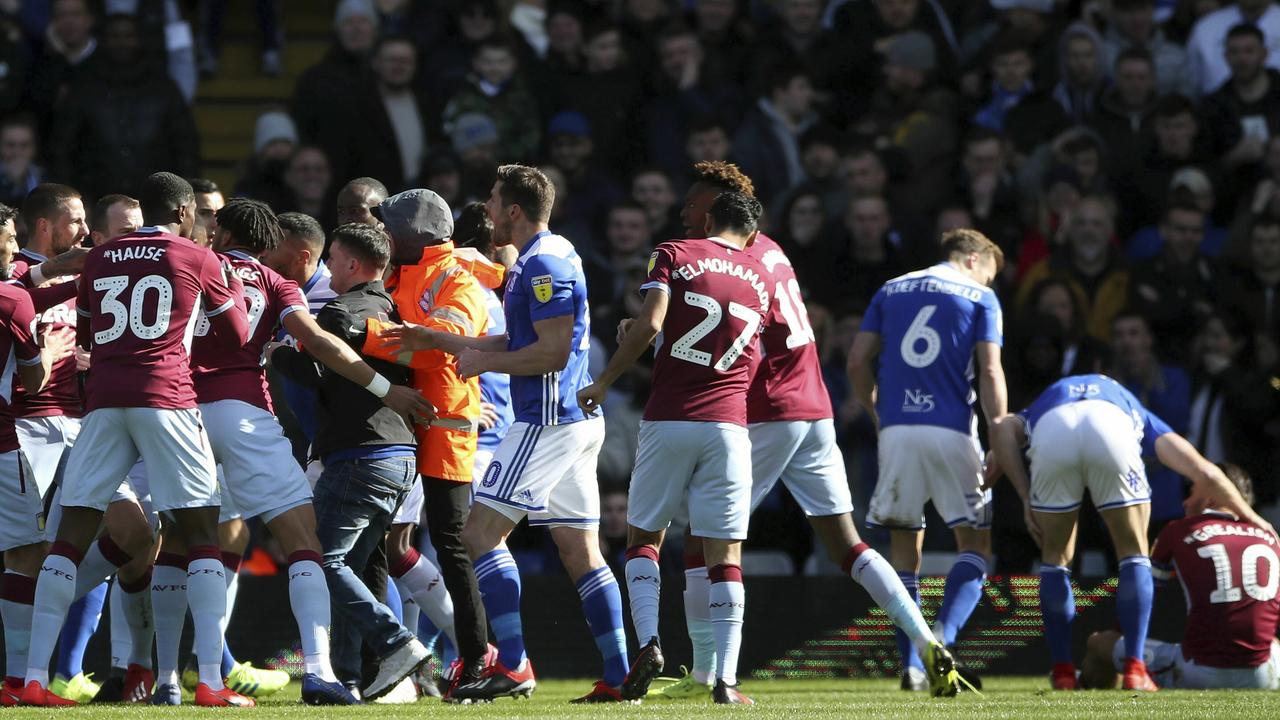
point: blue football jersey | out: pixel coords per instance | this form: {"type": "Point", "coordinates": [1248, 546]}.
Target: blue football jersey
{"type": "Point", "coordinates": [929, 322]}
{"type": "Point", "coordinates": [1146, 426]}
{"type": "Point", "coordinates": [547, 282]}
{"type": "Point", "coordinates": [495, 388]}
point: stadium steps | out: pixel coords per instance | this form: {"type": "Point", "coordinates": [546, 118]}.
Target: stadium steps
{"type": "Point", "coordinates": [227, 106]}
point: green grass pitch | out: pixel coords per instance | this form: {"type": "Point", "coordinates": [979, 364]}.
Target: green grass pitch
{"type": "Point", "coordinates": [1008, 697]}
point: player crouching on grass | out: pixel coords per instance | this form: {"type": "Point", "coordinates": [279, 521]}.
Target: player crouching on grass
{"type": "Point", "coordinates": [1230, 574]}
{"type": "Point", "coordinates": [1088, 431]}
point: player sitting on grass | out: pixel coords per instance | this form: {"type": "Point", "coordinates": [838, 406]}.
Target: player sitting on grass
{"type": "Point", "coordinates": [1229, 573]}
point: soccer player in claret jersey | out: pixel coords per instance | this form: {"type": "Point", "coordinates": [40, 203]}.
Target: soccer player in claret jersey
{"type": "Point", "coordinates": [923, 330]}
{"type": "Point", "coordinates": [1088, 431]}
{"type": "Point", "coordinates": [793, 438]}
{"type": "Point", "coordinates": [139, 298]}
{"type": "Point", "coordinates": [706, 298]}
{"type": "Point", "coordinates": [21, 511]}
{"type": "Point", "coordinates": [1229, 573]}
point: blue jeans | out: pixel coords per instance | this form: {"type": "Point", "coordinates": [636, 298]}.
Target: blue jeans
{"type": "Point", "coordinates": [355, 502]}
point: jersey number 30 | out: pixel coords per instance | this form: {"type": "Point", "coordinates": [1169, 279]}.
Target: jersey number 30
{"type": "Point", "coordinates": [130, 315]}
{"type": "Point", "coordinates": [683, 348]}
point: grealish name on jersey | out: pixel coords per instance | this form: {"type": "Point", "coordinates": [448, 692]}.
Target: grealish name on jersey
{"type": "Point", "coordinates": [1208, 532]}
{"type": "Point", "coordinates": [691, 270]}
{"type": "Point", "coordinates": [134, 252]}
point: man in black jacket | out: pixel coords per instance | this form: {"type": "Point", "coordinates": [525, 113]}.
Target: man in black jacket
{"type": "Point", "coordinates": [368, 451]}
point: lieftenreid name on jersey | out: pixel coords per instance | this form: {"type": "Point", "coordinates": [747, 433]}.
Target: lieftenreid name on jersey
{"type": "Point", "coordinates": [934, 285]}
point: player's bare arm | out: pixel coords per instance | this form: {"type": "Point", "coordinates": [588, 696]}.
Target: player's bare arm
{"type": "Point", "coordinates": [54, 345]}
{"type": "Point", "coordinates": [339, 357]}
{"type": "Point", "coordinates": [862, 356]}
{"type": "Point", "coordinates": [637, 339]}
{"type": "Point", "coordinates": [1209, 486]}
{"type": "Point", "coordinates": [549, 353]}
{"type": "Point", "coordinates": [1008, 436]}
{"type": "Point", "coordinates": [70, 262]}
{"type": "Point", "coordinates": [417, 338]}
{"type": "Point", "coordinates": [992, 391]}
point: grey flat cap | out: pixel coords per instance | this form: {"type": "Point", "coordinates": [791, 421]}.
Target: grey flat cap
{"type": "Point", "coordinates": [417, 215]}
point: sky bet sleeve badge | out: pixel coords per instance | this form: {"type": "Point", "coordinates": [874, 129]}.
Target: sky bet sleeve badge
{"type": "Point", "coordinates": [541, 285]}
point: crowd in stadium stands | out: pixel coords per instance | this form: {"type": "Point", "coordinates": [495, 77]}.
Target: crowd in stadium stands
{"type": "Point", "coordinates": [1125, 155]}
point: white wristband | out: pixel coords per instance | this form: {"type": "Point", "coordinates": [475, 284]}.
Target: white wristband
{"type": "Point", "coordinates": [379, 385]}
{"type": "Point", "coordinates": [36, 275]}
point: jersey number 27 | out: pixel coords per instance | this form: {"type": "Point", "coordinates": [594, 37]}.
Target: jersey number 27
{"type": "Point", "coordinates": [683, 348]}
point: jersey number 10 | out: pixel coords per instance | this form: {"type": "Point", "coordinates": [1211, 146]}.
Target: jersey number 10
{"type": "Point", "coordinates": [683, 348]}
{"type": "Point", "coordinates": [1227, 592]}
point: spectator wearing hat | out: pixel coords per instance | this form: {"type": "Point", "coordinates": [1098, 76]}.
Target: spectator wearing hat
{"type": "Point", "coordinates": [387, 124]}
{"type": "Point", "coordinates": [1177, 289]}
{"type": "Point", "coordinates": [1082, 69]}
{"type": "Point", "coordinates": [475, 142]}
{"type": "Point", "coordinates": [767, 143]}
{"type": "Point", "coordinates": [1123, 115]}
{"type": "Point", "coordinates": [274, 139]}
{"type": "Point", "coordinates": [328, 84]}
{"type": "Point", "coordinates": [496, 88]}
{"type": "Point", "coordinates": [1209, 65]}
{"type": "Point", "coordinates": [571, 149]}
{"type": "Point", "coordinates": [1193, 187]}
{"type": "Point", "coordinates": [1243, 114]}
{"type": "Point", "coordinates": [1132, 25]}
{"type": "Point", "coordinates": [122, 119]}
{"type": "Point", "coordinates": [913, 121]}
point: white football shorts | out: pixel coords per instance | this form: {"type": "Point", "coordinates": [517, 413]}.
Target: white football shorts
{"type": "Point", "coordinates": [803, 454]}
{"type": "Point", "coordinates": [173, 443]}
{"type": "Point", "coordinates": [547, 472]}
{"type": "Point", "coordinates": [259, 473]}
{"type": "Point", "coordinates": [926, 463]}
{"type": "Point", "coordinates": [21, 510]}
{"type": "Point", "coordinates": [1171, 670]}
{"type": "Point", "coordinates": [1087, 444]}
{"type": "Point", "coordinates": [46, 442]}
{"type": "Point", "coordinates": [410, 511]}
{"type": "Point", "coordinates": [709, 463]}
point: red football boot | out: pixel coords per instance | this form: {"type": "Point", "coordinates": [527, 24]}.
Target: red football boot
{"type": "Point", "coordinates": [1136, 676]}
{"type": "Point", "coordinates": [226, 697]}
{"type": "Point", "coordinates": [1063, 677]}
{"type": "Point", "coordinates": [36, 695]}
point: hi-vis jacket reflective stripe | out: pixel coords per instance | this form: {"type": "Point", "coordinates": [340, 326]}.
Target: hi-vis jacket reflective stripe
{"type": "Point", "coordinates": [443, 292]}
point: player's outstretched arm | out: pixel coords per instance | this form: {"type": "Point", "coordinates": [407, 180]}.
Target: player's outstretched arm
{"type": "Point", "coordinates": [992, 391]}
{"type": "Point", "coordinates": [862, 357]}
{"type": "Point", "coordinates": [1209, 487]}
{"type": "Point", "coordinates": [1008, 435]}
{"type": "Point", "coordinates": [336, 355]}
{"type": "Point", "coordinates": [549, 353]}
{"type": "Point", "coordinates": [409, 337]}
{"type": "Point", "coordinates": [633, 343]}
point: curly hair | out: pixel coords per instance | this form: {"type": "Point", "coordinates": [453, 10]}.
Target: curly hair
{"type": "Point", "coordinates": [251, 223]}
{"type": "Point", "coordinates": [723, 175]}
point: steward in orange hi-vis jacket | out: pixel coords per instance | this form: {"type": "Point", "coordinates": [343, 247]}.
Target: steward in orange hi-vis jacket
{"type": "Point", "coordinates": [443, 291]}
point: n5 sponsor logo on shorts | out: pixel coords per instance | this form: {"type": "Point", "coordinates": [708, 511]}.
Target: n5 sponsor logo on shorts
{"type": "Point", "coordinates": [491, 474]}
{"type": "Point", "coordinates": [917, 401]}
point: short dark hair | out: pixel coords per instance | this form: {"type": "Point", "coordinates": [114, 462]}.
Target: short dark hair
{"type": "Point", "coordinates": [1133, 313]}
{"type": "Point", "coordinates": [1173, 105]}
{"type": "Point", "coordinates": [162, 193]}
{"type": "Point", "coordinates": [304, 227]}
{"type": "Point", "coordinates": [706, 123]}
{"type": "Point", "coordinates": [495, 42]}
{"type": "Point", "coordinates": [1263, 221]}
{"type": "Point", "coordinates": [7, 213]}
{"type": "Point", "coordinates": [46, 200]}
{"type": "Point", "coordinates": [529, 188]}
{"type": "Point", "coordinates": [736, 212]}
{"type": "Point", "coordinates": [1010, 43]}
{"type": "Point", "coordinates": [723, 176]}
{"type": "Point", "coordinates": [981, 134]}
{"type": "Point", "coordinates": [373, 184]}
{"type": "Point", "coordinates": [1180, 200]}
{"type": "Point", "coordinates": [203, 186]}
{"type": "Point", "coordinates": [781, 75]}
{"type": "Point", "coordinates": [965, 241]}
{"type": "Point", "coordinates": [251, 223]}
{"type": "Point", "coordinates": [370, 244]}
{"type": "Point", "coordinates": [628, 204]}
{"type": "Point", "coordinates": [20, 119]}
{"type": "Point", "coordinates": [98, 220]}
{"type": "Point", "coordinates": [388, 39]}
{"type": "Point", "coordinates": [1240, 479]}
{"type": "Point", "coordinates": [474, 228]}
{"type": "Point", "coordinates": [1135, 52]}
{"type": "Point", "coordinates": [1246, 29]}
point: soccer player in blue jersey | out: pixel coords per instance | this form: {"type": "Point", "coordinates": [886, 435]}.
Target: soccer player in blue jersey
{"type": "Point", "coordinates": [926, 330]}
{"type": "Point", "coordinates": [1088, 431]}
{"type": "Point", "coordinates": [545, 467]}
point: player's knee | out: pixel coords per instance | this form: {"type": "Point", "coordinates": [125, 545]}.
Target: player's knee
{"type": "Point", "coordinates": [399, 540]}
{"type": "Point", "coordinates": [26, 559]}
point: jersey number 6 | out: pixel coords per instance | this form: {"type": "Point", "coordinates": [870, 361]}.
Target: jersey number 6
{"type": "Point", "coordinates": [918, 332]}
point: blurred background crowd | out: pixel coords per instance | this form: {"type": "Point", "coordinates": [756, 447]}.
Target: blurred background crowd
{"type": "Point", "coordinates": [1125, 154]}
